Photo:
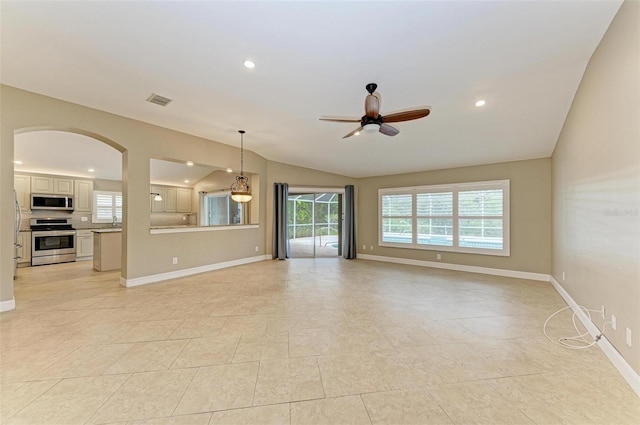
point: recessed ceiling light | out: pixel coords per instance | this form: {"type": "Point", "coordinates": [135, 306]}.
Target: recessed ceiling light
{"type": "Point", "coordinates": [17, 162]}
{"type": "Point", "coordinates": [190, 163]}
{"type": "Point", "coordinates": [249, 64]}
{"type": "Point", "coordinates": [229, 170]}
{"type": "Point", "coordinates": [480, 103]}
{"type": "Point", "coordinates": [91, 170]}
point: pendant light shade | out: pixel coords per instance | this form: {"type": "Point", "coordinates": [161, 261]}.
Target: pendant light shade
{"type": "Point", "coordinates": [240, 190]}
{"type": "Point", "coordinates": [157, 196]}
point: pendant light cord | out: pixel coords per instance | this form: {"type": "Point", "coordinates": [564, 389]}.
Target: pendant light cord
{"type": "Point", "coordinates": [241, 152]}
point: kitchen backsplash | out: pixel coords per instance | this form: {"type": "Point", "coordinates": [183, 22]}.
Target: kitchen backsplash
{"type": "Point", "coordinates": [159, 219]}
{"type": "Point", "coordinates": [174, 219]}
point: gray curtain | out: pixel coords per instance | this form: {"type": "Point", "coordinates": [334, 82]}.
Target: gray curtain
{"type": "Point", "coordinates": [349, 242]}
{"type": "Point", "coordinates": [280, 225]}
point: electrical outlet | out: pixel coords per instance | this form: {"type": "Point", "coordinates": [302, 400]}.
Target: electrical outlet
{"type": "Point", "coordinates": [614, 323]}
{"type": "Point", "coordinates": [84, 218]}
{"type": "Point", "coordinates": [563, 276]}
{"type": "Point", "coordinates": [602, 312]}
{"type": "Point", "coordinates": [629, 337]}
{"type": "Point", "coordinates": [257, 249]}
{"type": "Point", "coordinates": [175, 260]}
{"type": "Point", "coordinates": [371, 248]}
{"type": "Point", "coordinates": [438, 256]}
{"type": "Point", "coordinates": [364, 247]}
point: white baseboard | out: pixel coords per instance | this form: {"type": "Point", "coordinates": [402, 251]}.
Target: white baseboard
{"type": "Point", "coordinates": [128, 283]}
{"type": "Point", "coordinates": [7, 305]}
{"type": "Point", "coordinates": [458, 267]}
{"type": "Point", "coordinates": [628, 373]}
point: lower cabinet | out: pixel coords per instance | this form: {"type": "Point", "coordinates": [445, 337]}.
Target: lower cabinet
{"type": "Point", "coordinates": [84, 244]}
{"type": "Point", "coordinates": [23, 250]}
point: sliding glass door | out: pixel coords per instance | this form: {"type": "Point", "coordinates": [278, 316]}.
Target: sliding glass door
{"type": "Point", "coordinates": [315, 224]}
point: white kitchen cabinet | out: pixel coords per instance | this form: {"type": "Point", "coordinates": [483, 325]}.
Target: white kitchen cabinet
{"type": "Point", "coordinates": [41, 184]}
{"type": "Point", "coordinates": [23, 250]}
{"type": "Point", "coordinates": [174, 199]}
{"type": "Point", "coordinates": [83, 198]}
{"type": "Point", "coordinates": [53, 185]}
{"type": "Point", "coordinates": [84, 244]}
{"type": "Point", "coordinates": [22, 185]}
{"type": "Point", "coordinates": [62, 186]}
{"type": "Point", "coordinates": [169, 198]}
{"type": "Point", "coordinates": [183, 200]}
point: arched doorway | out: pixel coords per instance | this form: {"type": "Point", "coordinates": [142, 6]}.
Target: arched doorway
{"type": "Point", "coordinates": [80, 164]}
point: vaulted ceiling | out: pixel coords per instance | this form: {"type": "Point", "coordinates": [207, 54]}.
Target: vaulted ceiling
{"type": "Point", "coordinates": [525, 59]}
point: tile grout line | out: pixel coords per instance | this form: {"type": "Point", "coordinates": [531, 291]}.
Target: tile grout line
{"type": "Point", "coordinates": [108, 398]}
{"type": "Point", "coordinates": [255, 386]}
{"type": "Point", "coordinates": [186, 388]}
{"type": "Point", "coordinates": [365, 408]}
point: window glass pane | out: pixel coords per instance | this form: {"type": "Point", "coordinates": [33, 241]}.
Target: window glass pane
{"type": "Point", "coordinates": [397, 230]}
{"type": "Point", "coordinates": [480, 202]}
{"type": "Point", "coordinates": [118, 207]}
{"type": "Point", "coordinates": [224, 211]}
{"type": "Point", "coordinates": [435, 231]}
{"type": "Point", "coordinates": [434, 203]}
{"type": "Point", "coordinates": [481, 233]}
{"type": "Point", "coordinates": [397, 205]}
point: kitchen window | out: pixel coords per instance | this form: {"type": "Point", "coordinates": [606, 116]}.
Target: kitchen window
{"type": "Point", "coordinates": [106, 206]}
{"type": "Point", "coordinates": [463, 217]}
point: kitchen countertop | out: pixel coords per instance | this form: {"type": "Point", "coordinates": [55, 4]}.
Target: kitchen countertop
{"type": "Point", "coordinates": [117, 229]}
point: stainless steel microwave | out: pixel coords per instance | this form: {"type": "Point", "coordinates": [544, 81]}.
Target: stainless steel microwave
{"type": "Point", "coordinates": [51, 202]}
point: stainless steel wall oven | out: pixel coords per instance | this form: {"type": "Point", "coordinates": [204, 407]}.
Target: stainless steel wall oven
{"type": "Point", "coordinates": [53, 240]}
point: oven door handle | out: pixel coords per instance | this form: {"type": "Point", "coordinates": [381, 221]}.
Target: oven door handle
{"type": "Point", "coordinates": [53, 233]}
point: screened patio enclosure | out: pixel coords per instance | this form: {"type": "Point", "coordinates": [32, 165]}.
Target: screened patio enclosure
{"type": "Point", "coordinates": [315, 224]}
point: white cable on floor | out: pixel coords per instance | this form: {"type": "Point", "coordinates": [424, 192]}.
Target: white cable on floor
{"type": "Point", "coordinates": [580, 337]}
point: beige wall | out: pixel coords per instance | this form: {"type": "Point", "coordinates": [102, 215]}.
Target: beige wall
{"type": "Point", "coordinates": [596, 185]}
{"type": "Point", "coordinates": [530, 209]}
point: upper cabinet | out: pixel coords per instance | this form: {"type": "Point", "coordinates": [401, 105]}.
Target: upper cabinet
{"type": "Point", "coordinates": [169, 199]}
{"type": "Point", "coordinates": [174, 199]}
{"type": "Point", "coordinates": [83, 199]}
{"type": "Point", "coordinates": [53, 185]}
{"type": "Point", "coordinates": [183, 200]}
{"type": "Point", "coordinates": [22, 186]}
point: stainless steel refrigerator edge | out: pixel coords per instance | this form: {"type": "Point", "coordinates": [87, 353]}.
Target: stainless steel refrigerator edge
{"type": "Point", "coordinates": [17, 223]}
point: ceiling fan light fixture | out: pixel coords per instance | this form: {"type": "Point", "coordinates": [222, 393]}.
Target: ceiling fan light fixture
{"type": "Point", "coordinates": [240, 189]}
{"type": "Point", "coordinates": [371, 127]}
{"type": "Point", "coordinates": [249, 64]}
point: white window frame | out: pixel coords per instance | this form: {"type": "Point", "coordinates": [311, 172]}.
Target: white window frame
{"type": "Point", "coordinates": [114, 195]}
{"type": "Point", "coordinates": [456, 188]}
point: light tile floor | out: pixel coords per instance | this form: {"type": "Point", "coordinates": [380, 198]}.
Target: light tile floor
{"type": "Point", "coordinates": [324, 341]}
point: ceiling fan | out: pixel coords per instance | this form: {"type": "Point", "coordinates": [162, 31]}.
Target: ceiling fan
{"type": "Point", "coordinates": [372, 121]}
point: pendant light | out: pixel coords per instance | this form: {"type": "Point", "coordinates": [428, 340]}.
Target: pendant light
{"type": "Point", "coordinates": [240, 190]}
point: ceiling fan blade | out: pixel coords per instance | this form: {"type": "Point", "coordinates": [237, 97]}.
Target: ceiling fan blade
{"type": "Point", "coordinates": [340, 119]}
{"type": "Point", "coordinates": [412, 114]}
{"type": "Point", "coordinates": [354, 132]}
{"type": "Point", "coordinates": [388, 130]}
{"type": "Point", "coordinates": [372, 106]}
